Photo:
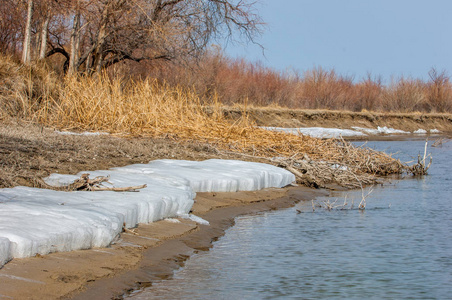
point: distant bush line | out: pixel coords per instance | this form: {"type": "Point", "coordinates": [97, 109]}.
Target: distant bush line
{"type": "Point", "coordinates": [220, 79]}
{"type": "Point", "coordinates": [238, 81]}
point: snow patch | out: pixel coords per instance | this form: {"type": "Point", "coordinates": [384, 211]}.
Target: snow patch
{"type": "Point", "coordinates": [319, 132]}
{"type": "Point", "coordinates": [381, 130]}
{"type": "Point", "coordinates": [420, 131]}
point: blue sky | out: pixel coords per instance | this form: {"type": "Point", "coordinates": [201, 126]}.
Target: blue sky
{"type": "Point", "coordinates": [384, 37]}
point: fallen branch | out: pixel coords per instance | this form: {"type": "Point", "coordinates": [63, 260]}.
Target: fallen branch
{"type": "Point", "coordinates": [129, 231]}
{"type": "Point", "coordinates": [84, 183]}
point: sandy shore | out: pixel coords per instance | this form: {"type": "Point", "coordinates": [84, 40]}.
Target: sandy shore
{"type": "Point", "coordinates": [136, 260]}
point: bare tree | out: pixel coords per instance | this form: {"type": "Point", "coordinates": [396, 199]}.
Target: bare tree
{"type": "Point", "coordinates": [45, 32]}
{"type": "Point", "coordinates": [112, 31]}
{"type": "Point", "coordinates": [26, 51]}
{"type": "Point", "coordinates": [94, 34]}
{"type": "Point", "coordinates": [75, 40]}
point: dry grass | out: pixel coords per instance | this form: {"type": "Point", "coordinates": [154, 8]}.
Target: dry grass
{"type": "Point", "coordinates": [147, 108]}
{"type": "Point", "coordinates": [23, 88]}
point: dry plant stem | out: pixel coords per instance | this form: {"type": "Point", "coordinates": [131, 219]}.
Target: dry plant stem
{"type": "Point", "coordinates": [421, 168]}
{"type": "Point", "coordinates": [439, 142]}
{"type": "Point", "coordinates": [84, 183]}
{"type": "Point", "coordinates": [362, 204]}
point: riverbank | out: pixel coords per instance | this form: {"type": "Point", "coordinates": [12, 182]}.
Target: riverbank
{"type": "Point", "coordinates": [296, 118]}
{"type": "Point", "coordinates": [137, 259]}
{"type": "Point", "coordinates": [30, 152]}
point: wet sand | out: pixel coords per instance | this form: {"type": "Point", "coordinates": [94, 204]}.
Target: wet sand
{"type": "Point", "coordinates": [137, 259]}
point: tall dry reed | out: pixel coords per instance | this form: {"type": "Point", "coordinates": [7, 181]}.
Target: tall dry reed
{"type": "Point", "coordinates": [23, 88]}
{"type": "Point", "coordinates": [147, 108]}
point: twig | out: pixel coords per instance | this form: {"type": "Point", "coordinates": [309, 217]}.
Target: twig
{"type": "Point", "coordinates": [84, 183]}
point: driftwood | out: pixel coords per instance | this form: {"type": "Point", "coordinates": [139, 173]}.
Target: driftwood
{"type": "Point", "coordinates": [84, 183]}
{"type": "Point", "coordinates": [129, 231]}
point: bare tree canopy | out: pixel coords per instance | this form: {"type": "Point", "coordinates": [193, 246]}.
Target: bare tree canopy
{"type": "Point", "coordinates": [95, 34]}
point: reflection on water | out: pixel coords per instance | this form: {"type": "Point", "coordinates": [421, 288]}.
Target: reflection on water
{"type": "Point", "coordinates": [401, 252]}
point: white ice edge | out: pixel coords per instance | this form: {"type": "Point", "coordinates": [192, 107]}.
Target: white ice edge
{"type": "Point", "coordinates": [322, 132]}
{"type": "Point", "coordinates": [39, 221]}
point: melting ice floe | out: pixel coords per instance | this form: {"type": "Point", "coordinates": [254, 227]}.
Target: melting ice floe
{"type": "Point", "coordinates": [39, 221]}
{"type": "Point", "coordinates": [321, 132]}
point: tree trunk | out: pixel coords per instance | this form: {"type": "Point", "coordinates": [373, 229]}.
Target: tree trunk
{"type": "Point", "coordinates": [99, 62]}
{"type": "Point", "coordinates": [88, 64]}
{"type": "Point", "coordinates": [36, 50]}
{"type": "Point", "coordinates": [44, 34]}
{"type": "Point", "coordinates": [27, 36]}
{"type": "Point", "coordinates": [75, 42]}
{"type": "Point", "coordinates": [101, 35]}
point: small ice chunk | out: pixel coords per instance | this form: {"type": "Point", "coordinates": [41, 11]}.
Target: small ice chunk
{"type": "Point", "coordinates": [434, 131]}
{"type": "Point", "coordinates": [194, 218]}
{"type": "Point", "coordinates": [388, 130]}
{"type": "Point", "coordinates": [171, 220]}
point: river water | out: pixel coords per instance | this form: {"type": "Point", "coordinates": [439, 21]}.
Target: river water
{"type": "Point", "coordinates": [399, 247]}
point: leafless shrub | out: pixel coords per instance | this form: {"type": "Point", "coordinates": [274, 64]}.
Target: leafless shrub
{"type": "Point", "coordinates": [404, 95]}
{"type": "Point", "coordinates": [439, 92]}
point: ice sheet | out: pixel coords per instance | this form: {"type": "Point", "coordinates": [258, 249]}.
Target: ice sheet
{"type": "Point", "coordinates": [39, 221]}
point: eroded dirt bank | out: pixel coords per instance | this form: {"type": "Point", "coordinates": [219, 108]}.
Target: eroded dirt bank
{"type": "Point", "coordinates": [280, 117]}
